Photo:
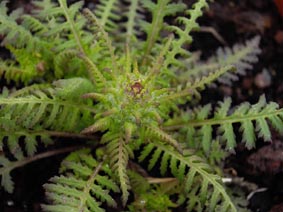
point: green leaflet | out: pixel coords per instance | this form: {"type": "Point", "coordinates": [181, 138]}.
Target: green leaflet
{"type": "Point", "coordinates": [159, 11]}
{"type": "Point", "coordinates": [106, 13]}
{"type": "Point", "coordinates": [131, 23]}
{"type": "Point", "coordinates": [239, 55]}
{"type": "Point", "coordinates": [254, 120]}
{"type": "Point", "coordinates": [81, 186]}
{"type": "Point", "coordinates": [72, 88]}
{"type": "Point", "coordinates": [184, 34]}
{"type": "Point", "coordinates": [197, 167]}
{"type": "Point", "coordinates": [44, 109]}
{"type": "Point", "coordinates": [43, 42]}
{"type": "Point", "coordinates": [119, 154]}
{"type": "Point", "coordinates": [7, 165]}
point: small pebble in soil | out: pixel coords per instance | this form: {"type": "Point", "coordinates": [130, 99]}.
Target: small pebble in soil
{"type": "Point", "coordinates": [263, 79]}
{"type": "Point", "coordinates": [10, 203]}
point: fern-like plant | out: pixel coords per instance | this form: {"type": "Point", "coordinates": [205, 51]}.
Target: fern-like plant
{"type": "Point", "coordinates": [116, 77]}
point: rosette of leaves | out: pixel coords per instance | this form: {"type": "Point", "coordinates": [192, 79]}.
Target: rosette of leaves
{"type": "Point", "coordinates": [117, 76]}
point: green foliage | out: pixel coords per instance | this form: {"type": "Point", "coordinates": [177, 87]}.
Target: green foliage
{"type": "Point", "coordinates": [107, 11]}
{"type": "Point", "coordinates": [83, 185]}
{"type": "Point", "coordinates": [197, 168]}
{"type": "Point", "coordinates": [116, 77]}
{"type": "Point", "coordinates": [241, 56]}
{"type": "Point", "coordinates": [253, 119]}
{"type": "Point", "coordinates": [55, 108]}
{"type": "Point", "coordinates": [189, 23]}
{"type": "Point", "coordinates": [153, 194]}
{"type": "Point", "coordinates": [119, 152]}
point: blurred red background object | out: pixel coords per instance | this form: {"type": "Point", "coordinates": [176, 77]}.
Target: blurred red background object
{"type": "Point", "coordinates": [279, 4]}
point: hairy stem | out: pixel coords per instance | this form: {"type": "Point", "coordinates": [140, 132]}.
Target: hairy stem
{"type": "Point", "coordinates": [72, 25]}
{"type": "Point", "coordinates": [199, 84]}
{"type": "Point", "coordinates": [230, 119]}
{"type": "Point", "coordinates": [155, 28]}
{"type": "Point", "coordinates": [27, 160]}
{"type": "Point", "coordinates": [108, 42]}
{"type": "Point", "coordinates": [87, 188]}
{"type": "Point", "coordinates": [131, 20]}
{"type": "Point", "coordinates": [23, 100]}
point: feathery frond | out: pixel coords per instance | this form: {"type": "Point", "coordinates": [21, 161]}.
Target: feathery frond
{"type": "Point", "coordinates": [52, 109]}
{"type": "Point", "coordinates": [159, 11]}
{"type": "Point", "coordinates": [119, 154]}
{"type": "Point", "coordinates": [104, 37]}
{"type": "Point", "coordinates": [192, 88]}
{"type": "Point", "coordinates": [187, 168]}
{"type": "Point", "coordinates": [107, 12]}
{"type": "Point", "coordinates": [241, 56]}
{"type": "Point", "coordinates": [21, 156]}
{"type": "Point", "coordinates": [13, 31]}
{"type": "Point", "coordinates": [184, 36]}
{"type": "Point", "coordinates": [22, 44]}
{"type": "Point", "coordinates": [41, 39]}
{"type": "Point", "coordinates": [156, 133]}
{"type": "Point", "coordinates": [133, 16]}
{"type": "Point", "coordinates": [254, 120]}
{"type": "Point", "coordinates": [83, 185]}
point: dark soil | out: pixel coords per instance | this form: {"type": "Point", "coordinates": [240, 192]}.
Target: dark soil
{"type": "Point", "coordinates": [235, 21]}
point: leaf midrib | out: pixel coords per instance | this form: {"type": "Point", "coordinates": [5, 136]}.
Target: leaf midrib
{"type": "Point", "coordinates": [45, 101]}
